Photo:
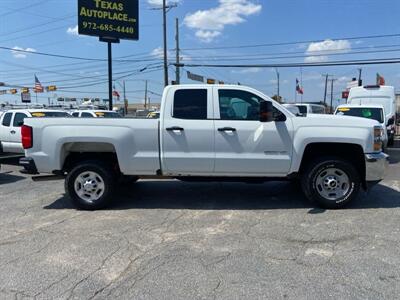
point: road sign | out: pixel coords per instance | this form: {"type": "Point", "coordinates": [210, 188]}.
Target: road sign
{"type": "Point", "coordinates": [25, 90]}
{"type": "Point", "coordinates": [118, 19]}
{"type": "Point", "coordinates": [26, 97]}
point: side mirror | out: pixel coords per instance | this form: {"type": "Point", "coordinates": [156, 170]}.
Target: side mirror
{"type": "Point", "coordinates": [266, 111]}
{"type": "Point", "coordinates": [20, 123]}
{"type": "Point", "coordinates": [390, 122]}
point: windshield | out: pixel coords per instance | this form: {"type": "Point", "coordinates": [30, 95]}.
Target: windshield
{"type": "Point", "coordinates": [50, 114]}
{"type": "Point", "coordinates": [363, 112]}
{"type": "Point", "coordinates": [386, 102]}
{"type": "Point", "coordinates": [107, 114]}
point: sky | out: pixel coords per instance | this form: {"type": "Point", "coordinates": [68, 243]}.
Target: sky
{"type": "Point", "coordinates": [211, 32]}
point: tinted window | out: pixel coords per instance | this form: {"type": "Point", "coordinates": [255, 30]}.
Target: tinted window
{"type": "Point", "coordinates": [190, 104]}
{"type": "Point", "coordinates": [7, 119]}
{"type": "Point", "coordinates": [363, 112]}
{"type": "Point", "coordinates": [86, 115]}
{"type": "Point", "coordinates": [18, 119]}
{"type": "Point", "coordinates": [50, 114]}
{"type": "Point", "coordinates": [303, 109]}
{"type": "Point", "coordinates": [317, 109]}
{"type": "Point", "coordinates": [75, 114]}
{"type": "Point", "coordinates": [239, 105]}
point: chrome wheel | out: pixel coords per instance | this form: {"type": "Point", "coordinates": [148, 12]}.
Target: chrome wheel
{"type": "Point", "coordinates": [332, 184]}
{"type": "Point", "coordinates": [89, 186]}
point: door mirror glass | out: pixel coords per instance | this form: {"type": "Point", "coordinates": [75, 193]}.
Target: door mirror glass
{"type": "Point", "coordinates": [390, 122]}
{"type": "Point", "coordinates": [266, 111]}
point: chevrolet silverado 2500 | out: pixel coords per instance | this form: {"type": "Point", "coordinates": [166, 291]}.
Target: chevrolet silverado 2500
{"type": "Point", "coordinates": [209, 132]}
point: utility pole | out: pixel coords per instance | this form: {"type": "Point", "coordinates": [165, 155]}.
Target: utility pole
{"type": "Point", "coordinates": [125, 110]}
{"type": "Point", "coordinates": [166, 81]}
{"type": "Point", "coordinates": [359, 77]}
{"type": "Point", "coordinates": [278, 83]}
{"type": "Point", "coordinates": [332, 80]}
{"type": "Point", "coordinates": [145, 96]}
{"type": "Point", "coordinates": [178, 71]}
{"type": "Point", "coordinates": [326, 86]}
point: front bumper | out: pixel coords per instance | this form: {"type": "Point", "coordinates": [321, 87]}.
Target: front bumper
{"type": "Point", "coordinates": [376, 165]}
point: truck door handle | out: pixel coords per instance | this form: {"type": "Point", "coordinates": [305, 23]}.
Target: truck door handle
{"type": "Point", "coordinates": [227, 129]}
{"type": "Point", "coordinates": [12, 131]}
{"type": "Point", "coordinates": [175, 128]}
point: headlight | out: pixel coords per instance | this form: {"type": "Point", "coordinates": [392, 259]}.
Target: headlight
{"type": "Point", "coordinates": [378, 138]}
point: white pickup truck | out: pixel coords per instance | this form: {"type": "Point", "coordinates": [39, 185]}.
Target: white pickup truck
{"type": "Point", "coordinates": [214, 133]}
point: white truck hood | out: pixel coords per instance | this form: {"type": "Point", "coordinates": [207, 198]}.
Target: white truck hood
{"type": "Point", "coordinates": [334, 120]}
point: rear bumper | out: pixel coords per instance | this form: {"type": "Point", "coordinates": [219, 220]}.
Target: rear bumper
{"type": "Point", "coordinates": [376, 165]}
{"type": "Point", "coordinates": [29, 165]}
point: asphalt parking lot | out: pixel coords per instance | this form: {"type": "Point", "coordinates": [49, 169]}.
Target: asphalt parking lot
{"type": "Point", "coordinates": [174, 240]}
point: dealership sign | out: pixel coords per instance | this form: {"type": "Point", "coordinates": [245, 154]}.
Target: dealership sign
{"type": "Point", "coordinates": [118, 19]}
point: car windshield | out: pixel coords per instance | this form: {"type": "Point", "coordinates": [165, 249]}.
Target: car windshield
{"type": "Point", "coordinates": [50, 114]}
{"type": "Point", "coordinates": [374, 113]}
{"type": "Point", "coordinates": [107, 114]}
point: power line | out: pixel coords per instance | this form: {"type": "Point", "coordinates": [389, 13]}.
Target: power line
{"type": "Point", "coordinates": [298, 65]}
{"type": "Point", "coordinates": [294, 42]}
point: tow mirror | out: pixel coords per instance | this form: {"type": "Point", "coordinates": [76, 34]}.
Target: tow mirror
{"type": "Point", "coordinates": [266, 111]}
{"type": "Point", "coordinates": [390, 122]}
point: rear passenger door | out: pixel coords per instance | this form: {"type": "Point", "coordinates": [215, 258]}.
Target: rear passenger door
{"type": "Point", "coordinates": [187, 132]}
{"type": "Point", "coordinates": [5, 131]}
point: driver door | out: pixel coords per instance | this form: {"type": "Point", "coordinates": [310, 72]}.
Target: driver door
{"type": "Point", "coordinates": [244, 145]}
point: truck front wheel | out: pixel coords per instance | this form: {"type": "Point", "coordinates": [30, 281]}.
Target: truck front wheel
{"type": "Point", "coordinates": [331, 182]}
{"type": "Point", "coordinates": [90, 185]}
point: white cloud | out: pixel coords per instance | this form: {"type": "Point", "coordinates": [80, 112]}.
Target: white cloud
{"type": "Point", "coordinates": [159, 53]}
{"type": "Point", "coordinates": [18, 54]}
{"type": "Point", "coordinates": [160, 2]}
{"type": "Point", "coordinates": [247, 71]}
{"type": "Point", "coordinates": [326, 47]}
{"type": "Point", "coordinates": [73, 30]}
{"type": "Point", "coordinates": [210, 23]}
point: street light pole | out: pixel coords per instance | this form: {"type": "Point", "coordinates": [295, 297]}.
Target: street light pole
{"type": "Point", "coordinates": [166, 81]}
{"type": "Point", "coordinates": [278, 82]}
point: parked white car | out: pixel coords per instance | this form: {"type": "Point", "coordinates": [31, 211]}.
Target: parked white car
{"type": "Point", "coordinates": [95, 114]}
{"type": "Point", "coordinates": [374, 112]}
{"type": "Point", "coordinates": [214, 133]}
{"type": "Point", "coordinates": [11, 122]}
{"type": "Point", "coordinates": [307, 108]}
{"type": "Point", "coordinates": [377, 95]}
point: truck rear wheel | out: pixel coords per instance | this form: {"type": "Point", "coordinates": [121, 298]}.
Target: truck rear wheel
{"type": "Point", "coordinates": [331, 182]}
{"type": "Point", "coordinates": [90, 185]}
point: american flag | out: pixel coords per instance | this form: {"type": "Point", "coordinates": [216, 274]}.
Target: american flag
{"type": "Point", "coordinates": [299, 89]}
{"type": "Point", "coordinates": [38, 86]}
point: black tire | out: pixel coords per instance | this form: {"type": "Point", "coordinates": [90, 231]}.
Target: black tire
{"type": "Point", "coordinates": [313, 189]}
{"type": "Point", "coordinates": [390, 141]}
{"type": "Point", "coordinates": [104, 172]}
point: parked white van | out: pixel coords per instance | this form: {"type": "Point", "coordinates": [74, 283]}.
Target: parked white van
{"type": "Point", "coordinates": [377, 95]}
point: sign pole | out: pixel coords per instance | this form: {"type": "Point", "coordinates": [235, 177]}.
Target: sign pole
{"type": "Point", "coordinates": [110, 76]}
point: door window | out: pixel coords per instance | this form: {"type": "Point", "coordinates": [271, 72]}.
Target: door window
{"type": "Point", "coordinates": [75, 114]}
{"type": "Point", "coordinates": [190, 104]}
{"type": "Point", "coordinates": [239, 105]}
{"type": "Point", "coordinates": [19, 119]}
{"type": "Point", "coordinates": [7, 119]}
{"type": "Point", "coordinates": [87, 115]}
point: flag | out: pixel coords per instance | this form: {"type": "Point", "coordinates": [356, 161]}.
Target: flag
{"type": "Point", "coordinates": [38, 86]}
{"type": "Point", "coordinates": [380, 80]}
{"type": "Point", "coordinates": [299, 89]}
{"type": "Point", "coordinates": [115, 93]}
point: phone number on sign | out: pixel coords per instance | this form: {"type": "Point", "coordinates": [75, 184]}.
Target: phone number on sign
{"type": "Point", "coordinates": [108, 27]}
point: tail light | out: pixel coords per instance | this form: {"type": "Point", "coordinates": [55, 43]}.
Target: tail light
{"type": "Point", "coordinates": [27, 138]}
